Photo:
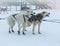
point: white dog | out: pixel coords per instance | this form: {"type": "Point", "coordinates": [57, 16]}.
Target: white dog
{"type": "Point", "coordinates": [20, 18]}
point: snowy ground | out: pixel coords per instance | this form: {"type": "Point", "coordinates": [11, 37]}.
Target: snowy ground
{"type": "Point", "coordinates": [50, 33]}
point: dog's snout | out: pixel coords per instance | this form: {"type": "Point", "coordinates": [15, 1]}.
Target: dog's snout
{"type": "Point", "coordinates": [47, 15]}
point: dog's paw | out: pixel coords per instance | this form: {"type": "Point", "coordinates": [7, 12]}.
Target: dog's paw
{"type": "Point", "coordinates": [23, 33]}
{"type": "Point", "coordinates": [9, 31]}
{"type": "Point", "coordinates": [18, 32]}
{"type": "Point", "coordinates": [39, 32]}
{"type": "Point", "coordinates": [13, 31]}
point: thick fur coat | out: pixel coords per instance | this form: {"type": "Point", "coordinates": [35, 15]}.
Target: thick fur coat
{"type": "Point", "coordinates": [19, 18]}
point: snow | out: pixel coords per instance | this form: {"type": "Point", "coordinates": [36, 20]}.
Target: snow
{"type": "Point", "coordinates": [50, 33]}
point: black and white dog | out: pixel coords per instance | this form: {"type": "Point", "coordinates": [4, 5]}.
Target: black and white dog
{"type": "Point", "coordinates": [37, 19]}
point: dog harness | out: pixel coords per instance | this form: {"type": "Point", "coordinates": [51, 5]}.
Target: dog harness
{"type": "Point", "coordinates": [24, 18]}
{"type": "Point", "coordinates": [14, 15]}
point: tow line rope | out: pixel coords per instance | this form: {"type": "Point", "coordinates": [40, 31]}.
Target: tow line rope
{"type": "Point", "coordinates": [53, 20]}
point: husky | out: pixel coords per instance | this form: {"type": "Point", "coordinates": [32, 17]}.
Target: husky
{"type": "Point", "coordinates": [37, 19]}
{"type": "Point", "coordinates": [20, 18]}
